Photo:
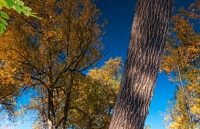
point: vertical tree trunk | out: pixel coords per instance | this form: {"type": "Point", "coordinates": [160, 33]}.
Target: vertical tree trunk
{"type": "Point", "coordinates": [146, 46]}
{"type": "Point", "coordinates": [51, 113]}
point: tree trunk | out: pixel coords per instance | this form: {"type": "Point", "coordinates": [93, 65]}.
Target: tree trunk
{"type": "Point", "coordinates": [51, 113]}
{"type": "Point", "coordinates": [146, 46]}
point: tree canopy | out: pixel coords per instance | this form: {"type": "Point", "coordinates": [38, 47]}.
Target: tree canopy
{"type": "Point", "coordinates": [50, 55]}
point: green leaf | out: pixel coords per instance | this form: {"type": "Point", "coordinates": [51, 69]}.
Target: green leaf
{"type": "Point", "coordinates": [4, 15]}
{"type": "Point", "coordinates": [3, 21]}
{"type": "Point", "coordinates": [26, 8]}
{"type": "Point", "coordinates": [9, 3]}
{"type": "Point", "coordinates": [2, 3]}
{"type": "Point", "coordinates": [1, 30]}
{"type": "Point", "coordinates": [3, 26]}
{"type": "Point", "coordinates": [20, 3]}
{"type": "Point", "coordinates": [17, 8]}
{"type": "Point", "coordinates": [25, 12]}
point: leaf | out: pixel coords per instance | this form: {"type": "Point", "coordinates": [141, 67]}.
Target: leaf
{"type": "Point", "coordinates": [25, 12]}
{"type": "Point", "coordinates": [1, 30]}
{"type": "Point", "coordinates": [26, 8]}
{"type": "Point", "coordinates": [3, 21]}
{"type": "Point", "coordinates": [9, 3]}
{"type": "Point", "coordinates": [17, 8]}
{"type": "Point", "coordinates": [4, 15]}
{"type": "Point", "coordinates": [3, 26]}
{"type": "Point", "coordinates": [2, 3]}
{"type": "Point", "coordinates": [20, 3]}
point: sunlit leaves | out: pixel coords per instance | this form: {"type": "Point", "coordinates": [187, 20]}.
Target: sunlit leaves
{"type": "Point", "coordinates": [95, 102]}
{"type": "Point", "coordinates": [8, 89]}
{"type": "Point", "coordinates": [181, 62]}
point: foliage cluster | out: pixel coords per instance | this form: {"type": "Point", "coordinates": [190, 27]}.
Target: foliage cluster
{"type": "Point", "coordinates": [181, 62]}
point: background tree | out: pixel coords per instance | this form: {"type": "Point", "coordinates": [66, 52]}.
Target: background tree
{"type": "Point", "coordinates": [142, 64]}
{"type": "Point", "coordinates": [5, 122]}
{"type": "Point", "coordinates": [8, 90]}
{"type": "Point", "coordinates": [8, 87]}
{"type": "Point", "coordinates": [181, 62]}
{"type": "Point", "coordinates": [50, 55]}
{"type": "Point", "coordinates": [92, 99]}
{"type": "Point", "coordinates": [98, 97]}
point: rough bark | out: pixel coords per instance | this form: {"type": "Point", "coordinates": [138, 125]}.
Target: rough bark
{"type": "Point", "coordinates": [146, 46]}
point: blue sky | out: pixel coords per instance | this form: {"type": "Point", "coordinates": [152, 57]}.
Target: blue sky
{"type": "Point", "coordinates": [119, 14]}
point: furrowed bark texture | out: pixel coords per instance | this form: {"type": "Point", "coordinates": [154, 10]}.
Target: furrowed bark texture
{"type": "Point", "coordinates": [146, 46]}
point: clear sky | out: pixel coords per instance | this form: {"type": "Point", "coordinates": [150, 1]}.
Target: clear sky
{"type": "Point", "coordinates": [119, 14]}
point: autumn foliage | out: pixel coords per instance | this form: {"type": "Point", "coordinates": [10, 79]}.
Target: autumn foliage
{"type": "Point", "coordinates": [181, 63]}
{"type": "Point", "coordinates": [48, 58]}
